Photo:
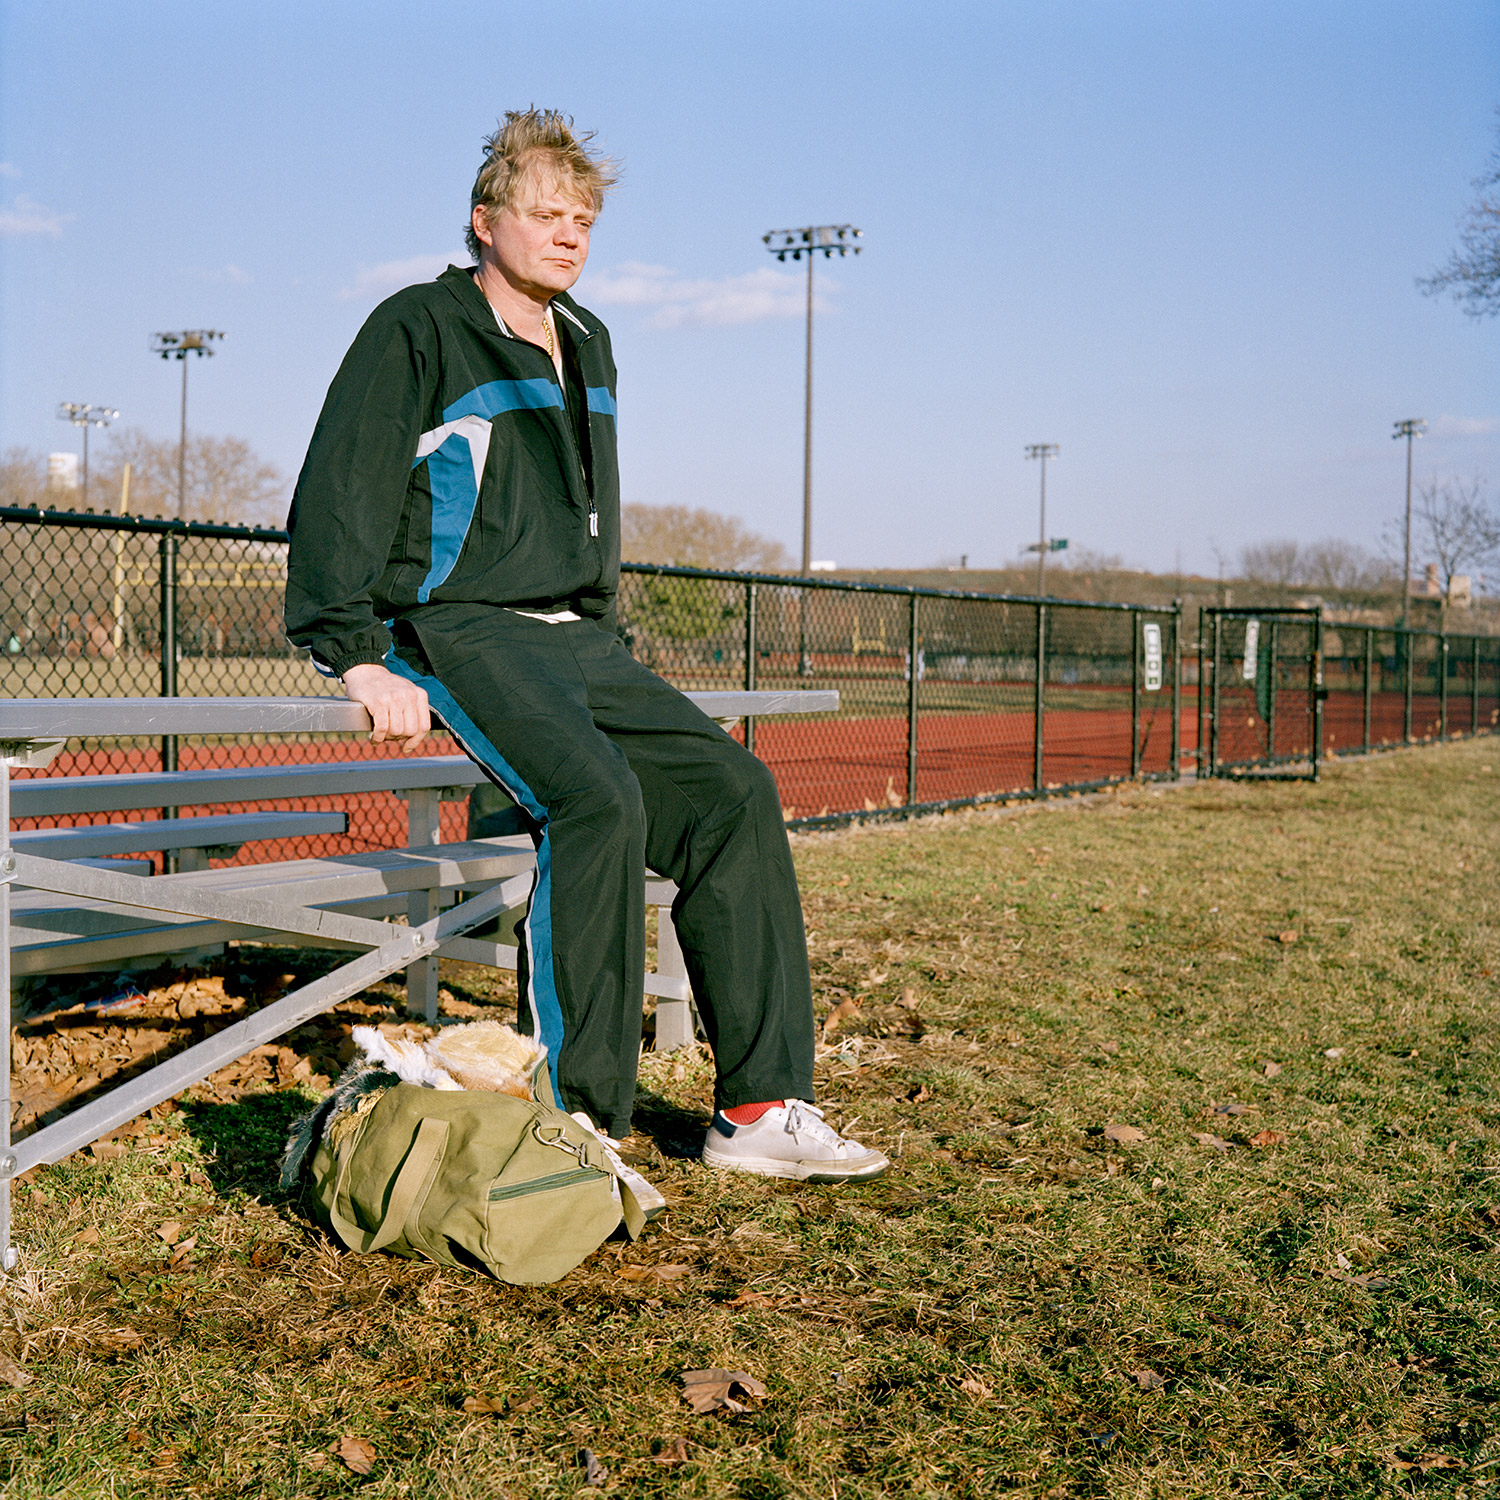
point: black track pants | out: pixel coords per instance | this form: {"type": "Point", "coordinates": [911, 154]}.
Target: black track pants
{"type": "Point", "coordinates": [619, 771]}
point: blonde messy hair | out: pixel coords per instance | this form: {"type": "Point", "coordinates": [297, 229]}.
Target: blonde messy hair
{"type": "Point", "coordinates": [529, 143]}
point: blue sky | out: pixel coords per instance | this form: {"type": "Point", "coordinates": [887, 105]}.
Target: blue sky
{"type": "Point", "coordinates": [1178, 239]}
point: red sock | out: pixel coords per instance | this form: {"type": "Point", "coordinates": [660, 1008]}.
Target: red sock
{"type": "Point", "coordinates": [748, 1114]}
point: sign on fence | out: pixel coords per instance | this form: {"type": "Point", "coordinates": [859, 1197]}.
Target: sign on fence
{"type": "Point", "coordinates": [1252, 649]}
{"type": "Point", "coordinates": [1151, 636]}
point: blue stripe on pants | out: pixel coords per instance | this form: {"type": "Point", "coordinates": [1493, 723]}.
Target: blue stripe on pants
{"type": "Point", "coordinates": [541, 988]}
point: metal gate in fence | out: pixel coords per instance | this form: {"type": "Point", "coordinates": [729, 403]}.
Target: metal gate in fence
{"type": "Point", "coordinates": [1261, 693]}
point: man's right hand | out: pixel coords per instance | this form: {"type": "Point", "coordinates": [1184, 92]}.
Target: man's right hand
{"type": "Point", "coordinates": [398, 709]}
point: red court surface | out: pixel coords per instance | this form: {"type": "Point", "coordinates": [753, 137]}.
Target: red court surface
{"type": "Point", "coordinates": [850, 764]}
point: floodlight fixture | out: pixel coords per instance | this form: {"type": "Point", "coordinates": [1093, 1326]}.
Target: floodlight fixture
{"type": "Point", "coordinates": [826, 240]}
{"type": "Point", "coordinates": [84, 414]}
{"type": "Point", "coordinates": [178, 346]}
{"type": "Point", "coordinates": [1410, 428]}
{"type": "Point", "coordinates": [1042, 451]}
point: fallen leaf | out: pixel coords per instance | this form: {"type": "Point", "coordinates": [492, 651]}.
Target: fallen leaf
{"type": "Point", "coordinates": [267, 1253]}
{"type": "Point", "coordinates": [708, 1390]}
{"type": "Point", "coordinates": [1345, 1264]}
{"type": "Point", "coordinates": [1334, 1052]}
{"type": "Point", "coordinates": [136, 1438]}
{"type": "Point", "coordinates": [11, 1373]}
{"type": "Point", "coordinates": [358, 1454]}
{"type": "Point", "coordinates": [1271, 1069]}
{"type": "Point", "coordinates": [1124, 1135]}
{"type": "Point", "coordinates": [170, 1232]}
{"type": "Point", "coordinates": [652, 1273]}
{"type": "Point", "coordinates": [672, 1451]}
{"type": "Point", "coordinates": [748, 1298]}
{"type": "Point", "coordinates": [1368, 1281]}
{"type": "Point", "coordinates": [1289, 936]}
{"type": "Point", "coordinates": [1216, 1141]}
{"type": "Point", "coordinates": [1266, 1138]}
{"type": "Point", "coordinates": [919, 1095]}
{"type": "Point", "coordinates": [118, 1339]}
{"type": "Point", "coordinates": [525, 1399]}
{"type": "Point", "coordinates": [1113, 1048]}
{"type": "Point", "coordinates": [1230, 1109]}
{"type": "Point", "coordinates": [593, 1471]}
{"type": "Point", "coordinates": [1148, 1380]}
{"type": "Point", "coordinates": [106, 1150]}
{"type": "Point", "coordinates": [484, 1406]}
{"type": "Point", "coordinates": [908, 998]}
{"type": "Point", "coordinates": [839, 1014]}
{"type": "Point", "coordinates": [975, 1387]}
{"type": "Point", "coordinates": [89, 1236]}
{"type": "Point", "coordinates": [180, 1250]}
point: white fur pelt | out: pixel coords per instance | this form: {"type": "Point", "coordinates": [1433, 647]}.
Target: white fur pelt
{"type": "Point", "coordinates": [482, 1055]}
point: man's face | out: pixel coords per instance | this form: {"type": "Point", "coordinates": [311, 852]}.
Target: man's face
{"type": "Point", "coordinates": [541, 242]}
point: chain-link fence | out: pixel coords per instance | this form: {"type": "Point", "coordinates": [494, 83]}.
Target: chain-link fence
{"type": "Point", "coordinates": [946, 698]}
{"type": "Point", "coordinates": [1282, 688]}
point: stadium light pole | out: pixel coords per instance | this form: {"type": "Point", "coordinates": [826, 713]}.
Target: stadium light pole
{"type": "Point", "coordinates": [178, 346]}
{"type": "Point", "coordinates": [1042, 451]}
{"type": "Point", "coordinates": [825, 240]}
{"type": "Point", "coordinates": [1412, 427]}
{"type": "Point", "coordinates": [83, 414]}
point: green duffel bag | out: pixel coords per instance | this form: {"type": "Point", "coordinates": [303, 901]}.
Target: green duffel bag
{"type": "Point", "coordinates": [469, 1178]}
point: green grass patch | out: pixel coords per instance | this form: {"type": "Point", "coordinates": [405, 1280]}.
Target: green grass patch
{"type": "Point", "coordinates": [1284, 1285]}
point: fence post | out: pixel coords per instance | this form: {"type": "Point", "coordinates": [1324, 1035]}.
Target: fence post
{"type": "Point", "coordinates": [1213, 713]}
{"type": "Point", "coordinates": [750, 650]}
{"type": "Point", "coordinates": [167, 589]}
{"type": "Point", "coordinates": [1177, 690]}
{"type": "Point", "coordinates": [1271, 694]}
{"type": "Point", "coordinates": [1442, 686]}
{"type": "Point", "coordinates": [1135, 694]}
{"type": "Point", "coordinates": [1317, 691]}
{"type": "Point", "coordinates": [1038, 697]}
{"type": "Point", "coordinates": [1474, 686]}
{"type": "Point", "coordinates": [1369, 682]}
{"type": "Point", "coordinates": [913, 673]}
{"type": "Point", "coordinates": [1411, 668]}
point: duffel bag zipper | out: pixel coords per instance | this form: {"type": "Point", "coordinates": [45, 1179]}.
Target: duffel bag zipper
{"type": "Point", "coordinates": [546, 1184]}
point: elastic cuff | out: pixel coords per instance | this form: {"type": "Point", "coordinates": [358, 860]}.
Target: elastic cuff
{"type": "Point", "coordinates": [355, 659]}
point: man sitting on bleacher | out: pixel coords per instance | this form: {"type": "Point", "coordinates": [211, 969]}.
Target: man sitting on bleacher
{"type": "Point", "coordinates": [456, 547]}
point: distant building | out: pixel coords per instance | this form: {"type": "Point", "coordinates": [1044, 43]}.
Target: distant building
{"type": "Point", "coordinates": [62, 471]}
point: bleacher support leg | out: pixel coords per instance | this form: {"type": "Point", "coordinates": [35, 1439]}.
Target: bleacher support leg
{"type": "Point", "coordinates": [422, 832]}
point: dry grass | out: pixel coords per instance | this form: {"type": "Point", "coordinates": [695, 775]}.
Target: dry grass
{"type": "Point", "coordinates": [1025, 1305]}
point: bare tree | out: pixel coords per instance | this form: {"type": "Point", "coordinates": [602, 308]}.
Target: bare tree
{"type": "Point", "coordinates": [1334, 563]}
{"type": "Point", "coordinates": [1278, 562]}
{"type": "Point", "coordinates": [23, 478]}
{"type": "Point", "coordinates": [676, 534]}
{"type": "Point", "coordinates": [226, 479]}
{"type": "Point", "coordinates": [1461, 525]}
{"type": "Point", "coordinates": [1086, 560]}
{"type": "Point", "coordinates": [1472, 274]}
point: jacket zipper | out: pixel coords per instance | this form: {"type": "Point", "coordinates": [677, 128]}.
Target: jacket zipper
{"type": "Point", "coordinates": [583, 482]}
{"type": "Point", "coordinates": [546, 1184]}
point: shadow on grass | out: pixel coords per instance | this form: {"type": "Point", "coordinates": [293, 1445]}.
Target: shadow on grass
{"type": "Point", "coordinates": [242, 1142]}
{"type": "Point", "coordinates": [675, 1131]}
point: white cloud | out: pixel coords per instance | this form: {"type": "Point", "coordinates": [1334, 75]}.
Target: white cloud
{"type": "Point", "coordinates": [26, 216]}
{"type": "Point", "coordinates": [9, 169]}
{"type": "Point", "coordinates": [677, 301]}
{"type": "Point", "coordinates": [1462, 427]}
{"type": "Point", "coordinates": [371, 283]}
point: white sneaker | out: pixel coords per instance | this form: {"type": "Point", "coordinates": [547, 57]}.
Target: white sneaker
{"type": "Point", "coordinates": [790, 1140]}
{"type": "Point", "coordinates": [651, 1201]}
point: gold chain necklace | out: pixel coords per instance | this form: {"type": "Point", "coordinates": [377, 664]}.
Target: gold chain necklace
{"type": "Point", "coordinates": [547, 335]}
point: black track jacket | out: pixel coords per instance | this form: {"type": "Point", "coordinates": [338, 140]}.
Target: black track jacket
{"type": "Point", "coordinates": [447, 466]}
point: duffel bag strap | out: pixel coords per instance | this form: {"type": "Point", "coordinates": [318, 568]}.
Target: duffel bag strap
{"type": "Point", "coordinates": [415, 1173]}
